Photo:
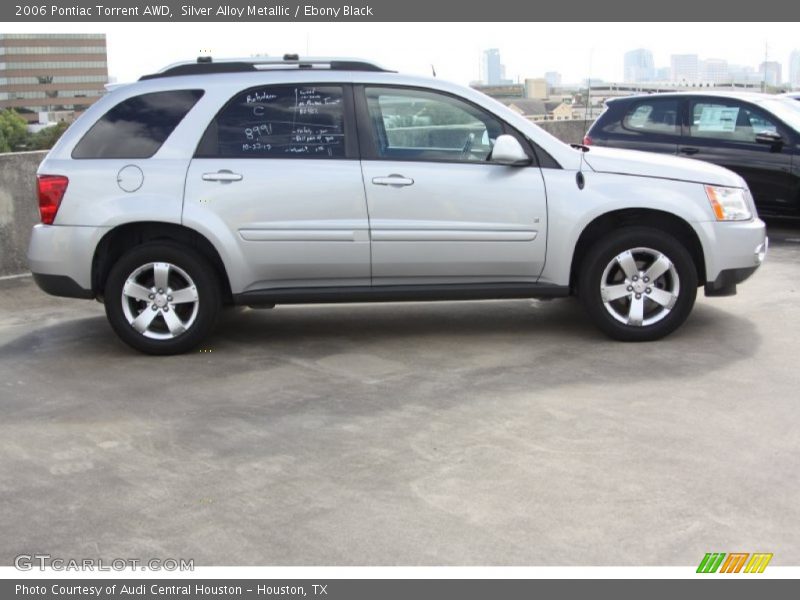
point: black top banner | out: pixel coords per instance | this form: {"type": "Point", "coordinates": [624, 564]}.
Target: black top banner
{"type": "Point", "coordinates": [712, 11]}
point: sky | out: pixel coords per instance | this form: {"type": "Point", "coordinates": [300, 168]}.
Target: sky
{"type": "Point", "coordinates": [576, 50]}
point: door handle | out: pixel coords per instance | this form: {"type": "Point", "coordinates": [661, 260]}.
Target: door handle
{"type": "Point", "coordinates": [223, 176]}
{"type": "Point", "coordinates": [393, 179]}
{"type": "Point", "coordinates": [689, 150]}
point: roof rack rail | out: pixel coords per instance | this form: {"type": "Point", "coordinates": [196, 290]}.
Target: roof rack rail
{"type": "Point", "coordinates": [205, 65]}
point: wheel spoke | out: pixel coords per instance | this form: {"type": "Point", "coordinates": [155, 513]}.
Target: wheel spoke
{"type": "Point", "coordinates": [636, 313]}
{"type": "Point", "coordinates": [161, 275]}
{"type": "Point", "coordinates": [661, 265]}
{"type": "Point", "coordinates": [142, 322]}
{"type": "Point", "coordinates": [173, 322]}
{"type": "Point", "coordinates": [187, 294]}
{"type": "Point", "coordinates": [628, 264]}
{"type": "Point", "coordinates": [663, 297]}
{"type": "Point", "coordinates": [614, 292]}
{"type": "Point", "coordinates": [136, 291]}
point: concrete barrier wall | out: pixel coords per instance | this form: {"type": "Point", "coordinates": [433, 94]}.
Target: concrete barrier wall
{"type": "Point", "coordinates": [571, 132]}
{"type": "Point", "coordinates": [19, 209]}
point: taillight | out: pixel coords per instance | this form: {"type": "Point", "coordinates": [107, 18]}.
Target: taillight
{"type": "Point", "coordinates": [51, 191]}
{"type": "Point", "coordinates": [587, 141]}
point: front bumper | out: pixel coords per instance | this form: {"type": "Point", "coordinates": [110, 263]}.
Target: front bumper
{"type": "Point", "coordinates": [724, 284]}
{"type": "Point", "coordinates": [733, 251]}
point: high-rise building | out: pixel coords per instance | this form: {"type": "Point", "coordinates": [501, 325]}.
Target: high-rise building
{"type": "Point", "coordinates": [684, 68]}
{"type": "Point", "coordinates": [51, 72]}
{"type": "Point", "coordinates": [794, 69]}
{"type": "Point", "coordinates": [663, 73]}
{"type": "Point", "coordinates": [553, 79]}
{"type": "Point", "coordinates": [714, 70]}
{"type": "Point", "coordinates": [770, 72]}
{"type": "Point", "coordinates": [493, 72]}
{"type": "Point", "coordinates": [743, 74]}
{"type": "Point", "coordinates": [639, 66]}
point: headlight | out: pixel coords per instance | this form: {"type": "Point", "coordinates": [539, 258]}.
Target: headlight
{"type": "Point", "coordinates": [728, 204]}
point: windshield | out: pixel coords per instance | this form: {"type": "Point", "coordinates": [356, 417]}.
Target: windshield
{"type": "Point", "coordinates": [786, 109]}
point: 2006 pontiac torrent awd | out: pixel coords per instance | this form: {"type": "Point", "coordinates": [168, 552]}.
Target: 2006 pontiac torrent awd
{"type": "Point", "coordinates": [272, 181]}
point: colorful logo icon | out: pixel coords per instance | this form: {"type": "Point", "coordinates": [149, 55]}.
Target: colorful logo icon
{"type": "Point", "coordinates": [733, 562]}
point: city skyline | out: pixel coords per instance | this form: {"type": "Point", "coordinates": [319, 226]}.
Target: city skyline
{"type": "Point", "coordinates": [576, 51]}
{"type": "Point", "coordinates": [639, 67]}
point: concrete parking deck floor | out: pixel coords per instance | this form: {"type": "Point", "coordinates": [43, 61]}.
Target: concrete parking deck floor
{"type": "Point", "coordinates": [455, 433]}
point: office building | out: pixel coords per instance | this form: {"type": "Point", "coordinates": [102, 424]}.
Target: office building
{"type": "Point", "coordinates": [492, 71]}
{"type": "Point", "coordinates": [639, 66]}
{"type": "Point", "coordinates": [51, 76]}
{"type": "Point", "coordinates": [770, 72]}
{"type": "Point", "coordinates": [794, 69]}
{"type": "Point", "coordinates": [553, 79]}
{"type": "Point", "coordinates": [714, 70]}
{"type": "Point", "coordinates": [684, 68]}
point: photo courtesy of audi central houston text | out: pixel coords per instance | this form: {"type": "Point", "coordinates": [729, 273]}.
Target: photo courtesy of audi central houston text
{"type": "Point", "coordinates": [293, 180]}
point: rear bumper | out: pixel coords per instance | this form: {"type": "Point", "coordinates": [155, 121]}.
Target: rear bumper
{"type": "Point", "coordinates": [60, 257]}
{"type": "Point", "coordinates": [61, 285]}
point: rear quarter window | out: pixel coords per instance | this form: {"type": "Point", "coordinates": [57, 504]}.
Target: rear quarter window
{"type": "Point", "coordinates": [653, 116]}
{"type": "Point", "coordinates": [279, 121]}
{"type": "Point", "coordinates": [138, 126]}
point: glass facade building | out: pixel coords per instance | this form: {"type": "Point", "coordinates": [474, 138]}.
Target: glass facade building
{"type": "Point", "coordinates": [54, 73]}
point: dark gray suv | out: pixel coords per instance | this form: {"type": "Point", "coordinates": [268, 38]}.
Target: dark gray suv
{"type": "Point", "coordinates": [755, 135]}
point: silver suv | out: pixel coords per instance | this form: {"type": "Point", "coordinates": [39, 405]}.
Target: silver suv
{"type": "Point", "coordinates": [280, 181]}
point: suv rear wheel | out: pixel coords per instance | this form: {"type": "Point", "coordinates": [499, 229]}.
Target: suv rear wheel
{"type": "Point", "coordinates": [638, 284]}
{"type": "Point", "coordinates": [162, 298]}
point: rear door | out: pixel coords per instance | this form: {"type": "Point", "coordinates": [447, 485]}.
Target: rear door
{"type": "Point", "coordinates": [277, 171]}
{"type": "Point", "coordinates": [723, 131]}
{"type": "Point", "coordinates": [649, 124]}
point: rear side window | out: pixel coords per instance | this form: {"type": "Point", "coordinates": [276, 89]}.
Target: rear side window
{"type": "Point", "coordinates": [138, 126]}
{"type": "Point", "coordinates": [278, 122]}
{"type": "Point", "coordinates": [653, 116]}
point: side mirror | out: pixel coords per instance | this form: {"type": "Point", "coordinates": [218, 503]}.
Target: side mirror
{"type": "Point", "coordinates": [771, 138]}
{"type": "Point", "coordinates": [508, 151]}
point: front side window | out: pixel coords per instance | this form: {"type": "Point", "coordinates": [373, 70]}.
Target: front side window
{"type": "Point", "coordinates": [728, 121]}
{"type": "Point", "coordinates": [138, 126]}
{"type": "Point", "coordinates": [421, 125]}
{"type": "Point", "coordinates": [653, 116]}
{"type": "Point", "coordinates": [305, 121]}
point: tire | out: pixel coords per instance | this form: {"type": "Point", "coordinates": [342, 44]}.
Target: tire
{"type": "Point", "coordinates": [638, 284]}
{"type": "Point", "coordinates": [173, 320]}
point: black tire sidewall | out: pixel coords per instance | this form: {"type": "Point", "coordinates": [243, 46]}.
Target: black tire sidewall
{"type": "Point", "coordinates": [613, 244]}
{"type": "Point", "coordinates": [205, 280]}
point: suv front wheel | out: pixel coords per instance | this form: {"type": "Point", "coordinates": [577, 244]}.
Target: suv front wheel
{"type": "Point", "coordinates": [638, 284]}
{"type": "Point", "coordinates": [162, 298]}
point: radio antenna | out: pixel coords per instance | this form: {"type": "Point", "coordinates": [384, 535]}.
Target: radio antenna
{"type": "Point", "coordinates": [588, 95]}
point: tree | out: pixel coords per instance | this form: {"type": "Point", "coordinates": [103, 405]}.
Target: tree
{"type": "Point", "coordinates": [14, 134]}
{"type": "Point", "coordinates": [44, 139]}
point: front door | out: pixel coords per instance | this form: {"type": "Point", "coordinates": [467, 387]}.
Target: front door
{"type": "Point", "coordinates": [439, 211]}
{"type": "Point", "coordinates": [723, 131]}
